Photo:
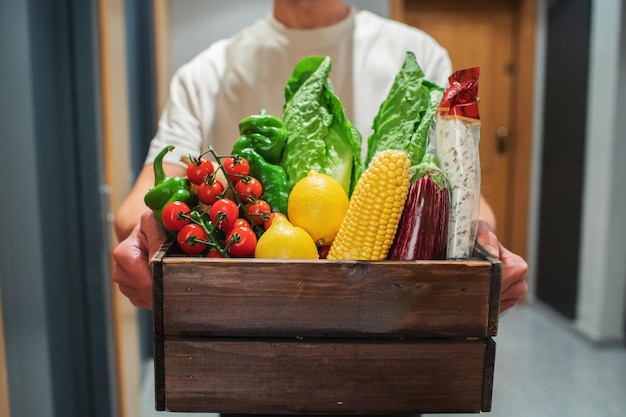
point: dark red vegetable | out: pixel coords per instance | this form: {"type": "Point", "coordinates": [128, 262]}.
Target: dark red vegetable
{"type": "Point", "coordinates": [423, 228]}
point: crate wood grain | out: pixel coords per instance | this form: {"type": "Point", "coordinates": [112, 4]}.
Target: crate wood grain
{"type": "Point", "coordinates": [327, 377]}
{"type": "Point", "coordinates": [324, 337]}
{"type": "Point", "coordinates": [236, 297]}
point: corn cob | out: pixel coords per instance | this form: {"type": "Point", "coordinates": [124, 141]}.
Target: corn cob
{"type": "Point", "coordinates": [369, 226]}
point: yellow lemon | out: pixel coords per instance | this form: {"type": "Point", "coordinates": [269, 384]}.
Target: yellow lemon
{"type": "Point", "coordinates": [318, 204]}
{"type": "Point", "coordinates": [284, 240]}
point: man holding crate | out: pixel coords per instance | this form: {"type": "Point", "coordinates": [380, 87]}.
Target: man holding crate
{"type": "Point", "coordinates": [236, 77]}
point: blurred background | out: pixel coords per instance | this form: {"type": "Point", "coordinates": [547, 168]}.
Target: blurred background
{"type": "Point", "coordinates": [82, 84]}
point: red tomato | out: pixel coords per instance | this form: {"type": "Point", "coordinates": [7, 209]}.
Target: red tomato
{"type": "Point", "coordinates": [236, 168]}
{"type": "Point", "coordinates": [192, 239]}
{"type": "Point", "coordinates": [248, 189]}
{"type": "Point", "coordinates": [241, 223]}
{"type": "Point", "coordinates": [213, 253]}
{"type": "Point", "coordinates": [259, 211]}
{"type": "Point", "coordinates": [241, 242]}
{"type": "Point", "coordinates": [198, 170]}
{"type": "Point", "coordinates": [223, 213]}
{"type": "Point", "coordinates": [173, 215]}
{"type": "Point", "coordinates": [208, 193]}
{"type": "Point", "coordinates": [273, 215]}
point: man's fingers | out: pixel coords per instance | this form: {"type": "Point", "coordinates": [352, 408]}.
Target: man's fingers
{"type": "Point", "coordinates": [514, 285]}
{"type": "Point", "coordinates": [487, 239]}
{"type": "Point", "coordinates": [506, 304]}
{"type": "Point", "coordinates": [514, 267]}
{"type": "Point", "coordinates": [153, 233]}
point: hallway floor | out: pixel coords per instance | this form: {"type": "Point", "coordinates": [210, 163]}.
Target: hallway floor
{"type": "Point", "coordinates": [543, 369]}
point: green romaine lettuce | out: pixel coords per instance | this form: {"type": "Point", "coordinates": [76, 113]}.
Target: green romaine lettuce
{"type": "Point", "coordinates": [321, 138]}
{"type": "Point", "coordinates": [404, 118]}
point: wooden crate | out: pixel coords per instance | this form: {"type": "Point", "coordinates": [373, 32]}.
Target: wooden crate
{"type": "Point", "coordinates": [255, 336]}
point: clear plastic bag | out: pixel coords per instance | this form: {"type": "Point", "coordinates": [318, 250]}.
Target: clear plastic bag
{"type": "Point", "coordinates": [455, 134]}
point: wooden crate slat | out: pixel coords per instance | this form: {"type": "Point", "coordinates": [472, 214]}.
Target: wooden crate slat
{"type": "Point", "coordinates": [328, 377]}
{"type": "Point", "coordinates": [239, 298]}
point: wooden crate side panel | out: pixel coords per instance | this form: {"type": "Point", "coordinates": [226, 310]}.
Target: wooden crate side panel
{"type": "Point", "coordinates": [494, 291]}
{"type": "Point", "coordinates": [158, 346]}
{"type": "Point", "coordinates": [324, 377]}
{"type": "Point", "coordinates": [488, 373]}
{"type": "Point", "coordinates": [156, 264]}
{"type": "Point", "coordinates": [230, 298]}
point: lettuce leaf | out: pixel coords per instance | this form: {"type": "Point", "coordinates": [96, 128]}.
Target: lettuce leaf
{"type": "Point", "coordinates": [404, 118]}
{"type": "Point", "coordinates": [321, 138]}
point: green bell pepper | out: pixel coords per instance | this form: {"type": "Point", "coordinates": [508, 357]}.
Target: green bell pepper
{"type": "Point", "coordinates": [166, 189]}
{"type": "Point", "coordinates": [267, 135]}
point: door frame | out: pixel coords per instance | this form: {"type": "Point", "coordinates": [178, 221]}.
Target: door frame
{"type": "Point", "coordinates": [522, 127]}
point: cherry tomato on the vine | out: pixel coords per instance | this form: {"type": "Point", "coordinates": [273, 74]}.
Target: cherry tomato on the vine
{"type": "Point", "coordinates": [259, 211]}
{"type": "Point", "coordinates": [208, 193]}
{"type": "Point", "coordinates": [248, 189]}
{"type": "Point", "coordinates": [223, 213]}
{"type": "Point", "coordinates": [241, 223]}
{"type": "Point", "coordinates": [273, 215]}
{"type": "Point", "coordinates": [175, 215]}
{"type": "Point", "coordinates": [241, 241]}
{"type": "Point", "coordinates": [199, 169]}
{"type": "Point", "coordinates": [192, 239]}
{"type": "Point", "coordinates": [236, 168]}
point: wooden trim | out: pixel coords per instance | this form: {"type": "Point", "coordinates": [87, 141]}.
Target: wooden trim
{"type": "Point", "coordinates": [523, 120]}
{"type": "Point", "coordinates": [4, 378]}
{"type": "Point", "coordinates": [397, 10]}
{"type": "Point", "coordinates": [116, 135]}
{"type": "Point", "coordinates": [162, 50]}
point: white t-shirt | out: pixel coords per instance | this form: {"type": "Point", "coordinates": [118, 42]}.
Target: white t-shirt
{"type": "Point", "coordinates": [239, 76]}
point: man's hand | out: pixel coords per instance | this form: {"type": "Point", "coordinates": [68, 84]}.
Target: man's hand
{"type": "Point", "coordinates": [514, 268]}
{"type": "Point", "coordinates": [132, 260]}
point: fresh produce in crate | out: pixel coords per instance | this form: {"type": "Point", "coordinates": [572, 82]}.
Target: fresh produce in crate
{"type": "Point", "coordinates": [404, 118]}
{"type": "Point", "coordinates": [261, 141]}
{"type": "Point", "coordinates": [208, 217]}
{"type": "Point", "coordinates": [455, 135]}
{"type": "Point", "coordinates": [318, 204]}
{"type": "Point", "coordinates": [166, 189]}
{"type": "Point", "coordinates": [321, 138]}
{"type": "Point", "coordinates": [423, 229]}
{"type": "Point", "coordinates": [284, 240]}
{"type": "Point", "coordinates": [266, 133]}
{"type": "Point", "coordinates": [369, 226]}
{"type": "Point", "coordinates": [403, 123]}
